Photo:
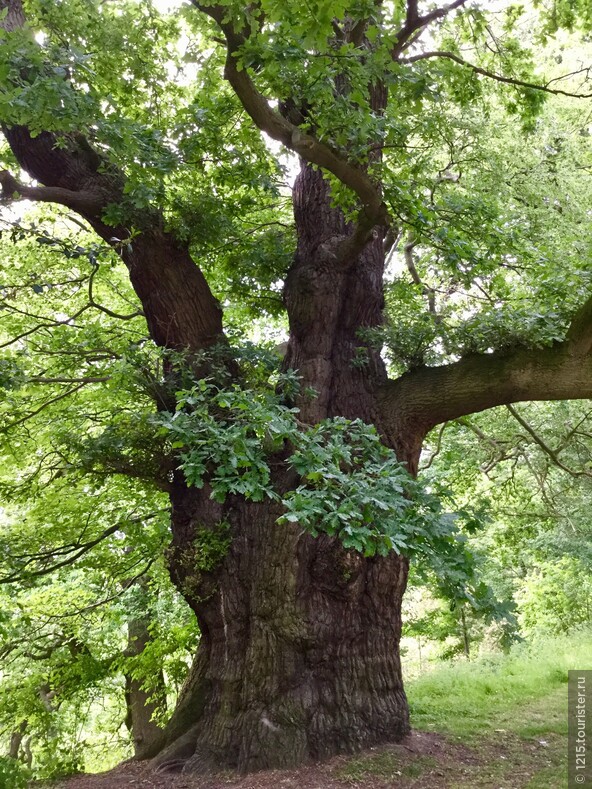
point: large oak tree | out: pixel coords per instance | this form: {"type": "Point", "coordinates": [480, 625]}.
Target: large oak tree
{"type": "Point", "coordinates": [299, 650]}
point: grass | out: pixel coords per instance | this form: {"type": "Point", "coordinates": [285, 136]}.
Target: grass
{"type": "Point", "coordinates": [385, 765]}
{"type": "Point", "coordinates": [464, 699]}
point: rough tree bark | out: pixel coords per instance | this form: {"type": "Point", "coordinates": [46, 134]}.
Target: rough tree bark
{"type": "Point", "coordinates": [299, 654]}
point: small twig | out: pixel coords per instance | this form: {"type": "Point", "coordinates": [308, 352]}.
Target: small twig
{"type": "Point", "coordinates": [438, 448]}
{"type": "Point", "coordinates": [518, 83]}
{"type": "Point", "coordinates": [546, 449]}
{"type": "Point", "coordinates": [106, 310]}
{"type": "Point", "coordinates": [66, 322]}
{"type": "Point", "coordinates": [98, 379]}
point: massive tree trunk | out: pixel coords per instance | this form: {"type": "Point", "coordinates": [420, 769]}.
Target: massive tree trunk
{"type": "Point", "coordinates": [299, 657]}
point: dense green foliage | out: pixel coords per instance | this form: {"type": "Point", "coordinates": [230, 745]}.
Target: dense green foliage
{"type": "Point", "coordinates": [530, 481]}
{"type": "Point", "coordinates": [351, 485]}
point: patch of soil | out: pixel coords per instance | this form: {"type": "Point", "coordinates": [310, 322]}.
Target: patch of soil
{"type": "Point", "coordinates": [422, 760]}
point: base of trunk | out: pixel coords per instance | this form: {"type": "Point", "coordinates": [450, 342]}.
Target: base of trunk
{"type": "Point", "coordinates": [299, 657]}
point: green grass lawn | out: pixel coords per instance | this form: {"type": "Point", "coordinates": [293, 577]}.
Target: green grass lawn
{"type": "Point", "coordinates": [465, 698]}
{"type": "Point", "coordinates": [513, 707]}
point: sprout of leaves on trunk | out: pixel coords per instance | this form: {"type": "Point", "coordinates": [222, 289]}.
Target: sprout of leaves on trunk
{"type": "Point", "coordinates": [241, 437]}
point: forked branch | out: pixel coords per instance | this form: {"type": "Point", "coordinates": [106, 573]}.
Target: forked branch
{"type": "Point", "coordinates": [415, 23]}
{"type": "Point", "coordinates": [270, 121]}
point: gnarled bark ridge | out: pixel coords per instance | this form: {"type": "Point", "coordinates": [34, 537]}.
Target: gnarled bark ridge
{"type": "Point", "coordinates": [298, 658]}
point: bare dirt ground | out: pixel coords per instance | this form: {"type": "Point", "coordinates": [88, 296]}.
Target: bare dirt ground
{"type": "Point", "coordinates": [424, 760]}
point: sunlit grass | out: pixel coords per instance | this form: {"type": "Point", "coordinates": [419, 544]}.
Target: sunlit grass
{"type": "Point", "coordinates": [470, 698]}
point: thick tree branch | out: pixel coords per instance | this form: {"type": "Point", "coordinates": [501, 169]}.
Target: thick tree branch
{"type": "Point", "coordinates": [179, 307]}
{"type": "Point", "coordinates": [85, 202]}
{"type": "Point", "coordinates": [423, 398]}
{"type": "Point", "coordinates": [374, 211]}
{"type": "Point", "coordinates": [518, 83]}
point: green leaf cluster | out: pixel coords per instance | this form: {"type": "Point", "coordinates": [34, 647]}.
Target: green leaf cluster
{"type": "Point", "coordinates": [241, 440]}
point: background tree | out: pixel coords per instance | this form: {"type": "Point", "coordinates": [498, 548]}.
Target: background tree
{"type": "Point", "coordinates": [104, 108]}
{"type": "Point", "coordinates": [528, 469]}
